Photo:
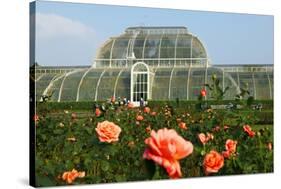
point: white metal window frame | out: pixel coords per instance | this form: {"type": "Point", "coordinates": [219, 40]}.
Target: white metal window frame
{"type": "Point", "coordinates": [134, 73]}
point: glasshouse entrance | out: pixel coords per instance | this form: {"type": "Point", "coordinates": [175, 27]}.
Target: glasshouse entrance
{"type": "Point", "coordinates": [139, 83]}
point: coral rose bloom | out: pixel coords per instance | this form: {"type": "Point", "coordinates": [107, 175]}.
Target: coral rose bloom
{"type": "Point", "coordinates": [73, 115]}
{"type": "Point", "coordinates": [70, 176]}
{"type": "Point", "coordinates": [204, 139]}
{"type": "Point", "coordinates": [213, 161]}
{"type": "Point", "coordinates": [182, 125]}
{"type": "Point", "coordinates": [269, 146]}
{"type": "Point", "coordinates": [226, 154]}
{"type": "Point", "coordinates": [98, 112]}
{"type": "Point", "coordinates": [203, 92]}
{"type": "Point", "coordinates": [153, 113]}
{"type": "Point", "coordinates": [146, 110]}
{"type": "Point", "coordinates": [248, 130]}
{"type": "Point", "coordinates": [165, 148]}
{"type": "Point", "coordinates": [230, 145]}
{"type": "Point", "coordinates": [108, 131]}
{"type": "Point", "coordinates": [139, 117]}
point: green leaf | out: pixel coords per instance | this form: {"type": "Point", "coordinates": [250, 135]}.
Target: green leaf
{"type": "Point", "coordinates": [217, 82]}
{"type": "Point", "coordinates": [150, 167]}
{"type": "Point", "coordinates": [89, 130]}
{"type": "Point", "coordinates": [58, 131]}
{"type": "Point", "coordinates": [44, 181]}
{"type": "Point", "coordinates": [105, 165]}
{"type": "Point", "coordinates": [120, 178]}
{"type": "Point", "coordinates": [250, 100]}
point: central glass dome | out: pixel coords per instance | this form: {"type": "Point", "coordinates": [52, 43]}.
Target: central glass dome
{"type": "Point", "coordinates": [156, 46]}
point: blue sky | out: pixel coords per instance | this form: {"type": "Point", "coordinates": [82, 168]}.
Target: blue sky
{"type": "Point", "coordinates": [69, 34]}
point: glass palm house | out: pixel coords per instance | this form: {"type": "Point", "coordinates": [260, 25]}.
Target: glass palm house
{"type": "Point", "coordinates": [153, 63]}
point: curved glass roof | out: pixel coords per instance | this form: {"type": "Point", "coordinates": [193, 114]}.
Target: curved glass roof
{"type": "Point", "coordinates": [166, 83]}
{"type": "Point", "coordinates": [170, 44]}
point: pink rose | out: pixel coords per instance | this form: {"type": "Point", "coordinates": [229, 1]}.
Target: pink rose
{"type": "Point", "coordinates": [153, 113]}
{"type": "Point", "coordinates": [203, 92]}
{"type": "Point", "coordinates": [165, 148]}
{"type": "Point", "coordinates": [205, 138]}
{"type": "Point", "coordinates": [108, 131]}
{"type": "Point", "coordinates": [182, 125]}
{"type": "Point", "coordinates": [230, 145]}
{"type": "Point", "coordinates": [213, 161]}
{"type": "Point", "coordinates": [248, 130]}
{"type": "Point", "coordinates": [98, 112]}
{"type": "Point", "coordinates": [139, 118]}
{"type": "Point", "coordinates": [70, 176]}
{"type": "Point", "coordinates": [146, 110]}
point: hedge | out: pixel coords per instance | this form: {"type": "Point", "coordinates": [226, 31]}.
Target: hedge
{"type": "Point", "coordinates": [88, 105]}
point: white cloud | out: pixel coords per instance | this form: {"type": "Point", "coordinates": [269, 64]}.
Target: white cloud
{"type": "Point", "coordinates": [52, 26]}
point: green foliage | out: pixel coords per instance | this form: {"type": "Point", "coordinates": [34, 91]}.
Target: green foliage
{"type": "Point", "coordinates": [217, 92]}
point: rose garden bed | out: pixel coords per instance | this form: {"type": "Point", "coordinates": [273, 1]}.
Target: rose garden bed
{"type": "Point", "coordinates": [118, 143]}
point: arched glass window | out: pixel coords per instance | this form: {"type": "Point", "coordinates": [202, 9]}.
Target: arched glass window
{"type": "Point", "coordinates": [139, 82]}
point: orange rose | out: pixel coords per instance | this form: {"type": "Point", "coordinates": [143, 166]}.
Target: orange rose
{"type": "Point", "coordinates": [98, 112]}
{"type": "Point", "coordinates": [139, 117]}
{"type": "Point", "coordinates": [108, 131]}
{"type": "Point", "coordinates": [148, 129]}
{"type": "Point", "coordinates": [213, 161]}
{"type": "Point", "coordinates": [269, 146]}
{"type": "Point", "coordinates": [70, 176]}
{"type": "Point", "coordinates": [165, 148]}
{"type": "Point", "coordinates": [248, 130]}
{"type": "Point", "coordinates": [182, 125]}
{"type": "Point", "coordinates": [73, 115]}
{"type": "Point", "coordinates": [226, 127]}
{"type": "Point", "coordinates": [153, 113]}
{"type": "Point", "coordinates": [202, 137]}
{"type": "Point", "coordinates": [226, 154]}
{"type": "Point", "coordinates": [230, 145]}
{"type": "Point", "coordinates": [203, 92]}
{"type": "Point", "coordinates": [146, 110]}
{"type": "Point", "coordinates": [205, 138]}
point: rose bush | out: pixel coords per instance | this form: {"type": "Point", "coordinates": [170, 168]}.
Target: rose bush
{"type": "Point", "coordinates": [111, 147]}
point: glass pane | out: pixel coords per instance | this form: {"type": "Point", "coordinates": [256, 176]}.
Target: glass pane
{"type": "Point", "coordinates": [88, 86]}
{"type": "Point", "coordinates": [43, 83]}
{"type": "Point", "coordinates": [152, 46]}
{"type": "Point", "coordinates": [196, 82]}
{"type": "Point", "coordinates": [262, 85]}
{"type": "Point", "coordinates": [179, 83]}
{"type": "Point", "coordinates": [107, 84]}
{"type": "Point", "coordinates": [168, 46]}
{"type": "Point", "coordinates": [160, 84]}
{"type": "Point", "coordinates": [123, 85]}
{"type": "Point", "coordinates": [70, 86]}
